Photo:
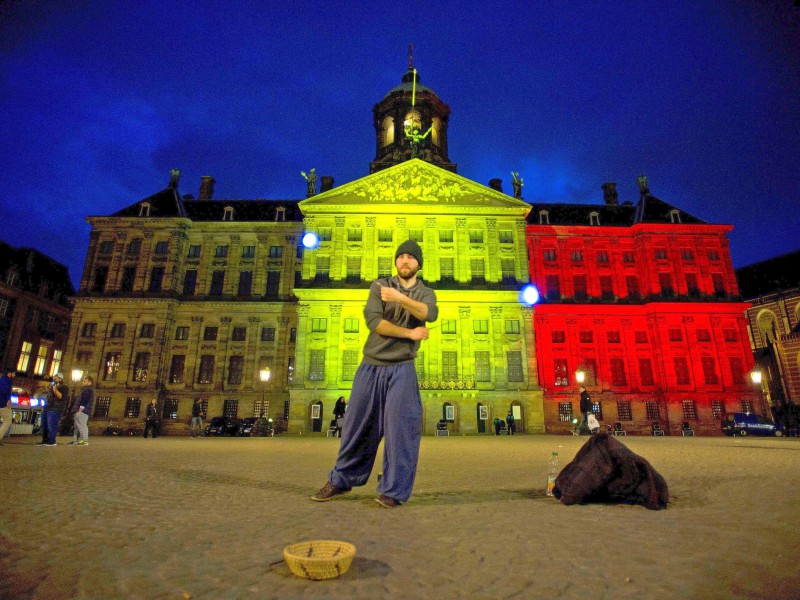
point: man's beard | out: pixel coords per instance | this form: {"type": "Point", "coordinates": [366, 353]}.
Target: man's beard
{"type": "Point", "coordinates": [406, 273]}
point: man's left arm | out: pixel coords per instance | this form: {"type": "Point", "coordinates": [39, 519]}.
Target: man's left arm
{"type": "Point", "coordinates": [424, 311]}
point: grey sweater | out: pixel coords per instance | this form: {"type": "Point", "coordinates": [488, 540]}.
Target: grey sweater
{"type": "Point", "coordinates": [384, 350]}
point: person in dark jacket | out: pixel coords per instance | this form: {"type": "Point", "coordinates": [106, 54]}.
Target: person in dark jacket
{"type": "Point", "coordinates": [151, 419]}
{"type": "Point", "coordinates": [57, 397]}
{"type": "Point", "coordinates": [586, 408]}
{"type": "Point", "coordinates": [510, 424]}
{"type": "Point", "coordinates": [83, 409]}
{"type": "Point", "coordinates": [5, 401]}
{"type": "Point", "coordinates": [498, 425]}
{"type": "Point", "coordinates": [338, 414]}
{"type": "Point", "coordinates": [197, 418]}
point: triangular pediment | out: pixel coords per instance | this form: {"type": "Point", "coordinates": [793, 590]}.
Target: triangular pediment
{"type": "Point", "coordinates": [413, 185]}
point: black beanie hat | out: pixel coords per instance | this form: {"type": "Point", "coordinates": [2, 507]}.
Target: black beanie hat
{"type": "Point", "coordinates": [410, 247]}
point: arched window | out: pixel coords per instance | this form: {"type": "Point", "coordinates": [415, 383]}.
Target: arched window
{"type": "Point", "coordinates": [436, 127]}
{"type": "Point", "coordinates": [144, 209]}
{"type": "Point", "coordinates": [767, 324]}
{"type": "Point", "coordinates": [674, 216]}
{"type": "Point", "coordinates": [280, 214]}
{"type": "Point", "coordinates": [544, 217]}
{"type": "Point", "coordinates": [594, 218]}
{"type": "Point", "coordinates": [228, 216]}
{"type": "Point", "coordinates": [412, 120]}
{"type": "Point", "coordinates": [388, 131]}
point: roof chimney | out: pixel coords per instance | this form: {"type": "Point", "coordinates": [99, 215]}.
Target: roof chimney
{"type": "Point", "coordinates": [206, 188]}
{"type": "Point", "coordinates": [496, 184]}
{"type": "Point", "coordinates": [327, 183]}
{"type": "Point", "coordinates": [610, 195]}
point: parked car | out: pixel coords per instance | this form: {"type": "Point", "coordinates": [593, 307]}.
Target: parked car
{"type": "Point", "coordinates": [222, 426]}
{"type": "Point", "coordinates": [744, 424]}
{"type": "Point", "coordinates": [246, 426]}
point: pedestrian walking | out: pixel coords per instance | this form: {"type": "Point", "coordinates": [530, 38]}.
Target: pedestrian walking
{"type": "Point", "coordinates": [151, 419]}
{"type": "Point", "coordinates": [83, 408]}
{"type": "Point", "coordinates": [338, 414]}
{"type": "Point", "coordinates": [6, 383]}
{"type": "Point", "coordinates": [197, 418]}
{"type": "Point", "coordinates": [385, 400]}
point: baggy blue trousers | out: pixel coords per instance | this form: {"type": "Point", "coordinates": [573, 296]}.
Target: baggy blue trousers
{"type": "Point", "coordinates": [384, 403]}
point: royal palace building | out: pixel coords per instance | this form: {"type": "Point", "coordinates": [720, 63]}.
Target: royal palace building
{"type": "Point", "coordinates": [185, 298]}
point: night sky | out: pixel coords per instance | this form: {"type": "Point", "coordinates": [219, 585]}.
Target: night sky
{"type": "Point", "coordinates": [99, 100]}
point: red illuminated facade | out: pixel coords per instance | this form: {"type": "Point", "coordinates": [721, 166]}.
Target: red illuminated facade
{"type": "Point", "coordinates": [642, 298]}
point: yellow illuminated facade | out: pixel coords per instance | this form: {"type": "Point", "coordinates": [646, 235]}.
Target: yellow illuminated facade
{"type": "Point", "coordinates": [479, 361]}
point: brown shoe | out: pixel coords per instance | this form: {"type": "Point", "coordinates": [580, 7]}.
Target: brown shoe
{"type": "Point", "coordinates": [328, 492]}
{"type": "Point", "coordinates": [387, 502]}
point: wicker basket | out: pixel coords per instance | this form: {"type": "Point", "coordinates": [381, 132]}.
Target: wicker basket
{"type": "Point", "coordinates": [319, 559]}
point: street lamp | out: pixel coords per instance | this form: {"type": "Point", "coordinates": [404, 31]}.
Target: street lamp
{"type": "Point", "coordinates": [757, 376]}
{"type": "Point", "coordinates": [580, 376]}
{"type": "Point", "coordinates": [264, 374]}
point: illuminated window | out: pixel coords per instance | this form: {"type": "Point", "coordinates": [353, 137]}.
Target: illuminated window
{"type": "Point", "coordinates": [745, 406]}
{"type": "Point", "coordinates": [230, 409]}
{"type": "Point", "coordinates": [436, 128]}
{"type": "Point", "coordinates": [388, 131]}
{"type": "Point", "coordinates": [55, 366]}
{"type": "Point", "coordinates": [682, 376]}
{"type": "Point", "coordinates": [205, 373]}
{"type": "Point", "coordinates": [349, 364]}
{"type": "Point", "coordinates": [624, 411]}
{"type": "Point", "coordinates": [41, 361]}
{"type": "Point", "coordinates": [483, 369]}
{"type": "Point", "coordinates": [652, 411]}
{"type": "Point", "coordinates": [565, 412]}
{"type": "Point", "coordinates": [597, 410]}
{"type": "Point", "coordinates": [170, 411]}
{"type": "Point", "coordinates": [514, 361]}
{"type": "Point", "coordinates": [560, 372]}
{"type": "Point", "coordinates": [689, 410]}
{"type": "Point", "coordinates": [140, 366]}
{"type": "Point", "coordinates": [717, 409]}
{"type": "Point", "coordinates": [182, 333]}
{"type": "Point", "coordinates": [111, 365]}
{"type": "Point", "coordinates": [450, 366]}
{"type": "Point", "coordinates": [709, 370]}
{"type": "Point", "coordinates": [176, 368]}
{"type": "Point", "coordinates": [132, 407]}
{"type": "Point", "coordinates": [316, 366]}
{"type": "Point", "coordinates": [102, 406]}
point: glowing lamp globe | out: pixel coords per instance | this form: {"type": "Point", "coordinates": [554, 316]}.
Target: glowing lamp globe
{"type": "Point", "coordinates": [529, 295]}
{"type": "Point", "coordinates": [310, 240]}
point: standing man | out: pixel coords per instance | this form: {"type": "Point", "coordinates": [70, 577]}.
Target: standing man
{"type": "Point", "coordinates": [510, 424]}
{"type": "Point", "coordinates": [6, 382]}
{"type": "Point", "coordinates": [151, 419]}
{"type": "Point", "coordinates": [57, 397]}
{"type": "Point", "coordinates": [197, 417]}
{"type": "Point", "coordinates": [385, 400]}
{"type": "Point", "coordinates": [83, 409]}
{"type": "Point", "coordinates": [586, 408]}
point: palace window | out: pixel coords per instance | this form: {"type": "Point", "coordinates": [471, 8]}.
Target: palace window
{"type": "Point", "coordinates": [628, 257]}
{"type": "Point", "coordinates": [239, 334]}
{"type": "Point", "coordinates": [446, 236]}
{"type": "Point", "coordinates": [319, 325]}
{"type": "Point", "coordinates": [483, 369]}
{"type": "Point", "coordinates": [514, 361]}
{"type": "Point", "coordinates": [182, 332]}
{"type": "Point", "coordinates": [128, 279]}
{"type": "Point", "coordinates": [132, 406]}
{"type": "Point", "coordinates": [477, 268]}
{"type": "Point", "coordinates": [652, 411]}
{"type": "Point", "coordinates": [205, 373]}
{"type": "Point", "coordinates": [102, 407]}
{"type": "Point", "coordinates": [692, 289]}
{"type": "Point", "coordinates": [446, 269]}
{"type": "Point", "coordinates": [675, 335]}
{"type": "Point", "coordinates": [576, 256]}
{"type": "Point", "coordinates": [276, 251]}
{"type": "Point", "coordinates": [176, 368]}
{"type": "Point", "coordinates": [416, 234]}
{"type": "Point", "coordinates": [228, 214]}
{"type": "Point", "coordinates": [553, 290]}
{"type": "Point", "coordinates": [565, 412]}
{"type": "Point", "coordinates": [560, 372]}
{"type": "Point", "coordinates": [384, 266]}
{"type": "Point", "coordinates": [235, 370]}
{"type": "Point", "coordinates": [112, 365]}
{"type": "Point", "coordinates": [118, 330]}
{"type": "Point", "coordinates": [325, 234]}
{"type": "Point", "coordinates": [557, 336]}
{"type": "Point", "coordinates": [597, 410]}
{"type": "Point", "coordinates": [613, 337]}
{"type": "Point", "coordinates": [579, 283]}
{"type": "Point", "coordinates": [230, 409]}
{"type": "Point", "coordinates": [349, 364]}
{"type": "Point", "coordinates": [210, 334]}
{"type": "Point", "coordinates": [550, 255]}
{"type": "Point", "coordinates": [107, 247]}
{"type": "Point", "coordinates": [709, 370]}
{"type": "Point", "coordinates": [156, 277]}
{"type": "Point", "coordinates": [140, 366]}
{"type": "Point", "coordinates": [602, 256]}
{"type": "Point", "coordinates": [624, 411]}
{"type": "Point", "coordinates": [148, 330]}
{"type": "Point", "coordinates": [316, 366]}
{"type": "Point", "coordinates": [703, 335]}
{"type": "Point", "coordinates": [618, 377]}
{"type": "Point", "coordinates": [717, 409]}
{"type": "Point", "coordinates": [245, 283]}
{"type": "Point", "coordinates": [354, 235]}
{"type": "Point", "coordinates": [682, 374]}
{"type": "Point", "coordinates": [55, 365]}
{"type": "Point", "coordinates": [606, 287]}
{"type": "Point", "coordinates": [586, 336]}
{"type": "Point", "coordinates": [665, 281]}
{"type": "Point", "coordinates": [508, 270]}
{"type": "Point", "coordinates": [194, 252]}
{"type": "Point", "coordinates": [88, 329]}
{"type": "Point", "coordinates": [41, 361]}
{"type": "Point", "coordinates": [162, 247]}
{"type": "Point", "coordinates": [273, 283]}
{"type": "Point", "coordinates": [385, 235]}
{"type": "Point", "coordinates": [267, 334]}
{"type": "Point", "coordinates": [646, 372]}
{"type": "Point", "coordinates": [134, 247]}
{"type": "Point", "coordinates": [221, 252]}
{"type": "Point", "coordinates": [353, 269]}
{"type": "Point", "coordinates": [248, 251]}
{"type": "Point", "coordinates": [351, 325]}
{"type": "Point", "coordinates": [448, 326]}
{"type": "Point", "coordinates": [170, 411]}
{"type": "Point", "coordinates": [480, 326]}
{"type": "Point", "coordinates": [450, 366]}
{"type": "Point", "coordinates": [689, 410]}
{"type": "Point", "coordinates": [217, 283]}
{"type": "Point", "coordinates": [475, 236]}
{"type": "Point", "coordinates": [506, 236]}
{"type": "Point", "coordinates": [512, 326]}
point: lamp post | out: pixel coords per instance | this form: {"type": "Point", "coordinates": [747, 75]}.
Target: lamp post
{"type": "Point", "coordinates": [580, 376]}
{"type": "Point", "coordinates": [77, 376]}
{"type": "Point", "coordinates": [757, 377]}
{"type": "Point", "coordinates": [264, 374]}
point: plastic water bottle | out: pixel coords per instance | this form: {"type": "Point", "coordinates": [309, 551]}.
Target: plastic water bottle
{"type": "Point", "coordinates": [552, 473]}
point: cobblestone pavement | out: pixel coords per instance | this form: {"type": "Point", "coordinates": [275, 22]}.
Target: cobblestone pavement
{"type": "Point", "coordinates": [208, 518]}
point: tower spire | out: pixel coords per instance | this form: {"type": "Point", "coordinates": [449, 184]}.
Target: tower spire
{"type": "Point", "coordinates": [411, 57]}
